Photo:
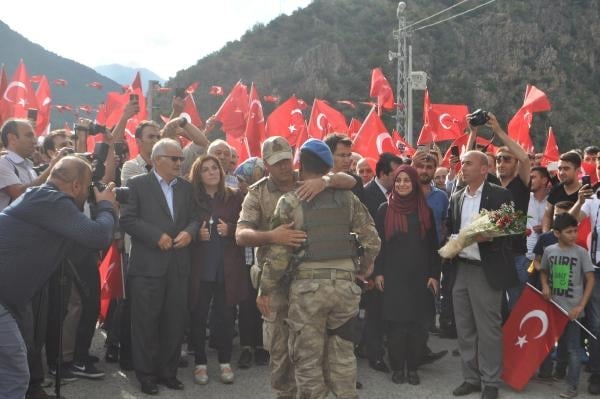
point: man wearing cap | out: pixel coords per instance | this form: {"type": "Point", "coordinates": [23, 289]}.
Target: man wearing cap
{"type": "Point", "coordinates": [254, 229]}
{"type": "Point", "coordinates": [323, 298]}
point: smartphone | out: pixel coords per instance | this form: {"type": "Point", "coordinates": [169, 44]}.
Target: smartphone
{"type": "Point", "coordinates": [32, 114]}
{"type": "Point", "coordinates": [180, 92]}
{"type": "Point", "coordinates": [134, 98]}
{"type": "Point", "coordinates": [586, 180]}
{"type": "Point", "coordinates": [454, 150]}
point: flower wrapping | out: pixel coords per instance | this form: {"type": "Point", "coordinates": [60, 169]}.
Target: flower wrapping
{"type": "Point", "coordinates": [504, 221]}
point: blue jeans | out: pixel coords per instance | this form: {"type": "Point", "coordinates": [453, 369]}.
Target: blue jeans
{"type": "Point", "coordinates": [592, 311]}
{"type": "Point", "coordinates": [572, 338]}
{"type": "Point", "coordinates": [14, 372]}
{"type": "Point", "coordinates": [521, 264]}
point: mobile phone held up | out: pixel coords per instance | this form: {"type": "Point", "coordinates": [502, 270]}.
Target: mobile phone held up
{"type": "Point", "coordinates": [586, 180]}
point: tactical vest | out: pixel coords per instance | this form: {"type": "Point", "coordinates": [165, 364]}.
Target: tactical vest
{"type": "Point", "coordinates": [327, 224]}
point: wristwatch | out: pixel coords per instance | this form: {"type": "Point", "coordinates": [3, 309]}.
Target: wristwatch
{"type": "Point", "coordinates": [327, 180]}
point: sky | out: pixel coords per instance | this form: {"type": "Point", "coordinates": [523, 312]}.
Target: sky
{"type": "Point", "coordinates": [164, 37]}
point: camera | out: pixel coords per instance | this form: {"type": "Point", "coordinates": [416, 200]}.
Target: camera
{"type": "Point", "coordinates": [98, 158]}
{"type": "Point", "coordinates": [93, 129]}
{"type": "Point", "coordinates": [478, 117]}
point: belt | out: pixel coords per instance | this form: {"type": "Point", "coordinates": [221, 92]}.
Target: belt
{"type": "Point", "coordinates": [324, 274]}
{"type": "Point", "coordinates": [469, 261]}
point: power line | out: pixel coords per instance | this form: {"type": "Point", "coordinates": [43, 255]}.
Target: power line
{"type": "Point", "coordinates": [454, 16]}
{"type": "Point", "coordinates": [436, 14]}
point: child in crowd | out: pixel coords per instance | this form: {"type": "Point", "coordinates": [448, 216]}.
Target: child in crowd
{"type": "Point", "coordinates": [567, 277]}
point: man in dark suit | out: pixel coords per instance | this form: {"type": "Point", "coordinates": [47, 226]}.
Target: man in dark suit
{"type": "Point", "coordinates": [161, 219]}
{"type": "Point", "coordinates": [376, 194]}
{"type": "Point", "coordinates": [484, 270]}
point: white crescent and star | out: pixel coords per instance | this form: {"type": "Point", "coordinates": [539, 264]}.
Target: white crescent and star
{"type": "Point", "coordinates": [319, 125]}
{"type": "Point", "coordinates": [296, 111]}
{"type": "Point", "coordinates": [442, 124]}
{"type": "Point", "coordinates": [10, 86]}
{"type": "Point", "coordinates": [381, 137]}
{"type": "Point", "coordinates": [538, 314]}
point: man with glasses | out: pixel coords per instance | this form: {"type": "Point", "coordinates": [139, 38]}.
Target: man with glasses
{"type": "Point", "coordinates": [513, 168]}
{"type": "Point", "coordinates": [160, 216]}
{"type": "Point", "coordinates": [341, 148]}
{"type": "Point", "coordinates": [147, 134]}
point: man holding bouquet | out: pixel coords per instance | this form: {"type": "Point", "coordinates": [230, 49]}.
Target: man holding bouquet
{"type": "Point", "coordinates": [484, 270]}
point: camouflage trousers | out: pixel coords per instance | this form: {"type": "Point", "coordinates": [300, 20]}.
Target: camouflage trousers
{"type": "Point", "coordinates": [322, 362]}
{"type": "Point", "coordinates": [275, 340]}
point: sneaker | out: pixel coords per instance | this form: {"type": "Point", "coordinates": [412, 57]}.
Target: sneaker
{"type": "Point", "coordinates": [65, 374]}
{"type": "Point", "coordinates": [87, 370]}
{"type": "Point", "coordinates": [571, 392]}
{"type": "Point", "coordinates": [245, 360]}
{"type": "Point", "coordinates": [227, 375]}
{"type": "Point", "coordinates": [261, 357]}
{"type": "Point", "coordinates": [200, 374]}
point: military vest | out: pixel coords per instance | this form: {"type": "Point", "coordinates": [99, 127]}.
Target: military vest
{"type": "Point", "coordinates": [327, 222]}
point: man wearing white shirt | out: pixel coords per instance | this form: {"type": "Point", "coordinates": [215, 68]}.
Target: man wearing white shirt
{"type": "Point", "coordinates": [537, 205]}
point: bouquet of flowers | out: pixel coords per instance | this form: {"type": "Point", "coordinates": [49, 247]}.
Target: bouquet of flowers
{"type": "Point", "coordinates": [505, 221]}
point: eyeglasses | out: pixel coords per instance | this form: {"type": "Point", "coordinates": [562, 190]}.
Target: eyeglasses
{"type": "Point", "coordinates": [505, 158]}
{"type": "Point", "coordinates": [153, 137]}
{"type": "Point", "coordinates": [173, 158]}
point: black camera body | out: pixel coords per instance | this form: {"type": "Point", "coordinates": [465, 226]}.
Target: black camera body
{"type": "Point", "coordinates": [98, 158]}
{"type": "Point", "coordinates": [478, 117]}
{"type": "Point", "coordinates": [93, 129]}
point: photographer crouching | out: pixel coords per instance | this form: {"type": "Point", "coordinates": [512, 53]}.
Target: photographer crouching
{"type": "Point", "coordinates": [38, 231]}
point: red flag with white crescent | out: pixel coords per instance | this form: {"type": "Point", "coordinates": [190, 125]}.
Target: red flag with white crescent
{"type": "Point", "coordinates": [551, 152]}
{"type": "Point", "coordinates": [325, 119]}
{"type": "Point", "coordinates": [529, 334]}
{"type": "Point", "coordinates": [111, 279]}
{"type": "Point", "coordinates": [255, 124]}
{"type": "Point", "coordinates": [518, 127]}
{"type": "Point", "coordinates": [234, 110]}
{"type": "Point", "coordinates": [19, 96]}
{"type": "Point", "coordinates": [286, 121]}
{"type": "Point", "coordinates": [380, 88]}
{"type": "Point", "coordinates": [44, 100]}
{"type": "Point", "coordinates": [373, 138]}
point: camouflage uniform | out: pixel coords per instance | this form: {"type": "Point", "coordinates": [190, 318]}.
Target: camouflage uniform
{"type": "Point", "coordinates": [323, 296]}
{"type": "Point", "coordinates": [257, 210]}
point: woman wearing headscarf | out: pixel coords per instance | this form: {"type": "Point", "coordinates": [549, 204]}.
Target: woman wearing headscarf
{"type": "Point", "coordinates": [407, 270]}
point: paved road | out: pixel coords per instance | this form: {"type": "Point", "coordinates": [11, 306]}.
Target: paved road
{"type": "Point", "coordinates": [437, 381]}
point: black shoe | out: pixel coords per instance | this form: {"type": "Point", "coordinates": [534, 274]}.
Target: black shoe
{"type": "Point", "coordinates": [171, 383]}
{"type": "Point", "coordinates": [433, 356]}
{"type": "Point", "coordinates": [261, 357]}
{"type": "Point", "coordinates": [245, 360]}
{"type": "Point", "coordinates": [183, 363]}
{"type": "Point", "coordinates": [93, 359]}
{"type": "Point", "coordinates": [36, 392]}
{"type": "Point", "coordinates": [594, 386]}
{"type": "Point", "coordinates": [65, 374]}
{"type": "Point", "coordinates": [413, 378]}
{"type": "Point", "coordinates": [466, 388]}
{"type": "Point", "coordinates": [398, 377]}
{"type": "Point", "coordinates": [149, 387]}
{"type": "Point", "coordinates": [489, 393]}
{"type": "Point", "coordinates": [87, 370]}
{"type": "Point", "coordinates": [112, 354]}
{"type": "Point", "coordinates": [379, 365]}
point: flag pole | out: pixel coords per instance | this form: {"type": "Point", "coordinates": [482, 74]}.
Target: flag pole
{"type": "Point", "coordinates": [565, 312]}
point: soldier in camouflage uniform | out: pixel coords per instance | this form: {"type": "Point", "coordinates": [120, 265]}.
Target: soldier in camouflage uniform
{"type": "Point", "coordinates": [323, 297]}
{"type": "Point", "coordinates": [254, 230]}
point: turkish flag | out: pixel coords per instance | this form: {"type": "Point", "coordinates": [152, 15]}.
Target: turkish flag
{"type": "Point", "coordinates": [113, 108]}
{"type": "Point", "coordinates": [528, 335]}
{"type": "Point", "coordinates": [216, 91]}
{"type": "Point", "coordinates": [240, 143]}
{"type": "Point", "coordinates": [353, 128]}
{"type": "Point", "coordinates": [111, 279]}
{"type": "Point", "coordinates": [271, 99]}
{"type": "Point", "coordinates": [255, 125]}
{"type": "Point", "coordinates": [551, 152]}
{"type": "Point", "coordinates": [380, 88]}
{"type": "Point", "coordinates": [95, 85]}
{"type": "Point", "coordinates": [18, 97]}
{"type": "Point", "coordinates": [232, 113]}
{"type": "Point", "coordinates": [373, 138]}
{"type": "Point", "coordinates": [403, 147]}
{"type": "Point", "coordinates": [589, 168]}
{"type": "Point", "coordinates": [3, 84]}
{"type": "Point", "coordinates": [518, 127]}
{"type": "Point", "coordinates": [442, 122]}
{"type": "Point", "coordinates": [190, 109]}
{"type": "Point", "coordinates": [136, 88]}
{"type": "Point", "coordinates": [325, 119]}
{"type": "Point", "coordinates": [286, 121]}
{"type": "Point", "coordinates": [192, 88]}
{"type": "Point", "coordinates": [44, 100]}
{"type": "Point", "coordinates": [61, 82]}
{"type": "Point", "coordinates": [302, 137]}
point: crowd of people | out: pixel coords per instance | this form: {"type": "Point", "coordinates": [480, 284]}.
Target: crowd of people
{"type": "Point", "coordinates": [308, 266]}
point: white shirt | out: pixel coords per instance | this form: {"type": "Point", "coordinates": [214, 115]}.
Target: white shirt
{"type": "Point", "coordinates": [591, 207]}
{"type": "Point", "coordinates": [470, 209]}
{"type": "Point", "coordinates": [535, 213]}
{"type": "Point", "coordinates": [14, 169]}
{"type": "Point", "coordinates": [132, 168]}
{"type": "Point", "coordinates": [167, 189]}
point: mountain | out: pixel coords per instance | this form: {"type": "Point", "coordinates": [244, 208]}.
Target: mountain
{"type": "Point", "coordinates": [40, 61]}
{"type": "Point", "coordinates": [483, 59]}
{"type": "Point", "coordinates": [124, 75]}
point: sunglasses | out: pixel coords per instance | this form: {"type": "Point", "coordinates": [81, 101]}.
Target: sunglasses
{"type": "Point", "coordinates": [504, 158]}
{"type": "Point", "coordinates": [173, 158]}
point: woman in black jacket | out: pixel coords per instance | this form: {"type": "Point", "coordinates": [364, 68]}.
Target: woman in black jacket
{"type": "Point", "coordinates": [407, 271]}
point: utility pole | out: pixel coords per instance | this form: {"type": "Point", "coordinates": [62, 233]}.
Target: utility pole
{"type": "Point", "coordinates": [402, 76]}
